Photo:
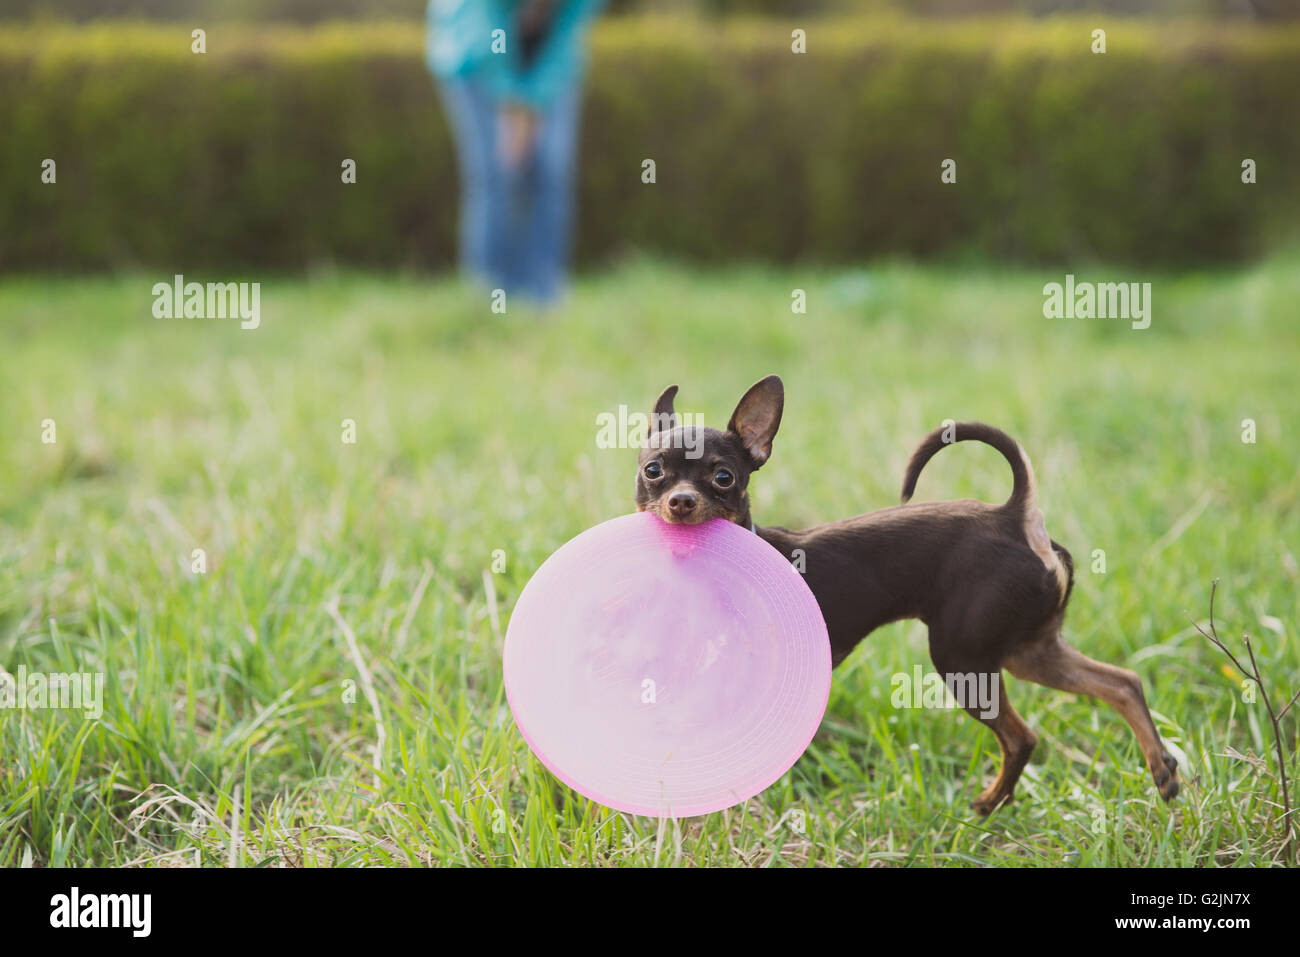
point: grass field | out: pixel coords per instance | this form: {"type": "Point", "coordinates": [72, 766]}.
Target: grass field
{"type": "Point", "coordinates": [237, 727]}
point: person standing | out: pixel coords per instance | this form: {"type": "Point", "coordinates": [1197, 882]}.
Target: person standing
{"type": "Point", "coordinates": [510, 77]}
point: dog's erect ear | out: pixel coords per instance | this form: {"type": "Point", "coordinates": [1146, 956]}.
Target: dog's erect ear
{"type": "Point", "coordinates": [758, 416]}
{"type": "Point", "coordinates": [663, 418]}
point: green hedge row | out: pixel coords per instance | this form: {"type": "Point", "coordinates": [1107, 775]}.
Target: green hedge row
{"type": "Point", "coordinates": [171, 160]}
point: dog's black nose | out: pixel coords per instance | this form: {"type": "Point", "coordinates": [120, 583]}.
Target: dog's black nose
{"type": "Point", "coordinates": [682, 503]}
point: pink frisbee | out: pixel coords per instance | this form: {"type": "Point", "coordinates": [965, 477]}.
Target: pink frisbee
{"type": "Point", "coordinates": [667, 670]}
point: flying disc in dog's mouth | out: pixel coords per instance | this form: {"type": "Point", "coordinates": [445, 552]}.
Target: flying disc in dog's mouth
{"type": "Point", "coordinates": [667, 670]}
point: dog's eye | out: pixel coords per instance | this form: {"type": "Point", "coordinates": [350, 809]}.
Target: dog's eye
{"type": "Point", "coordinates": [723, 479]}
{"type": "Point", "coordinates": [654, 471]}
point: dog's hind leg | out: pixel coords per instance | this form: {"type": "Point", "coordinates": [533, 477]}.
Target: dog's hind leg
{"type": "Point", "coordinates": [1055, 664]}
{"type": "Point", "coordinates": [1017, 741]}
{"type": "Point", "coordinates": [1015, 738]}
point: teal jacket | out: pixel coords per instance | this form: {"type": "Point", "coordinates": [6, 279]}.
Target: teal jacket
{"type": "Point", "coordinates": [460, 43]}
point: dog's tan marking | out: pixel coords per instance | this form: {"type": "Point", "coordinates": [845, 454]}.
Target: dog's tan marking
{"type": "Point", "coordinates": [1035, 529]}
{"type": "Point", "coordinates": [704, 513]}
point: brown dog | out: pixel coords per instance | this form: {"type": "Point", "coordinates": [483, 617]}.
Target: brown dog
{"type": "Point", "coordinates": [986, 579]}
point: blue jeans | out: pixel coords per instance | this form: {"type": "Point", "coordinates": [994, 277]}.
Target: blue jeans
{"type": "Point", "coordinates": [515, 225]}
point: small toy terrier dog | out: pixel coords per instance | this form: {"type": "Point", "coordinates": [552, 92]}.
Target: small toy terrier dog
{"type": "Point", "coordinates": [986, 579]}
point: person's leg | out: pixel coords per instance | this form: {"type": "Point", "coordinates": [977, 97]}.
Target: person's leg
{"type": "Point", "coordinates": [473, 124]}
{"type": "Point", "coordinates": [514, 246]}
{"type": "Point", "coordinates": [548, 215]}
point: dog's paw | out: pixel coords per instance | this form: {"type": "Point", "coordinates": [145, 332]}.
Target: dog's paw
{"type": "Point", "coordinates": [990, 801]}
{"type": "Point", "coordinates": [1166, 777]}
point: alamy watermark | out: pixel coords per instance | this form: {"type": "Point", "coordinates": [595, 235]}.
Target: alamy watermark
{"type": "Point", "coordinates": [921, 689]}
{"type": "Point", "coordinates": [59, 690]}
{"type": "Point", "coordinates": [631, 430]}
{"type": "Point", "coordinates": [179, 299]}
{"type": "Point", "coordinates": [1107, 300]}
{"type": "Point", "coordinates": [74, 909]}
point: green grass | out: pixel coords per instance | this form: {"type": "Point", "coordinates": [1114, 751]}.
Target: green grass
{"type": "Point", "coordinates": [229, 734]}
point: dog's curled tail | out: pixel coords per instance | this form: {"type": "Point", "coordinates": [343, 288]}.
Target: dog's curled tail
{"type": "Point", "coordinates": [1022, 473]}
{"type": "Point", "coordinates": [1021, 507]}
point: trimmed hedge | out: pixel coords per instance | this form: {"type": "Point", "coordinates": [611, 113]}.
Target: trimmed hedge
{"type": "Point", "coordinates": [176, 161]}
